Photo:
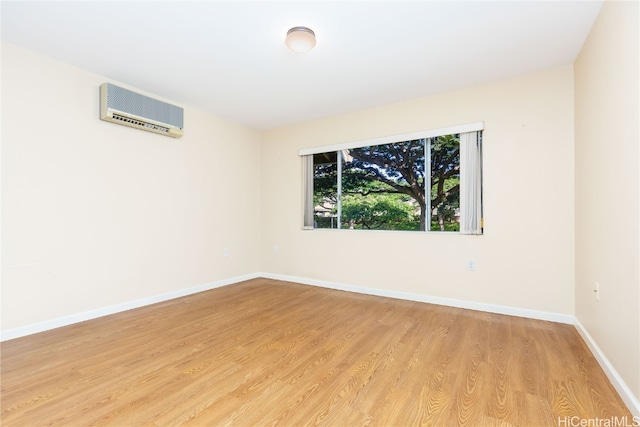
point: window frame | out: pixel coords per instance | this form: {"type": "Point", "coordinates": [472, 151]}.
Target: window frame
{"type": "Point", "coordinates": [432, 133]}
{"type": "Point", "coordinates": [425, 134]}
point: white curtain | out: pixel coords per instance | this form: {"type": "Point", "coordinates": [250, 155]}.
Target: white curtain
{"type": "Point", "coordinates": [307, 191]}
{"type": "Point", "coordinates": [470, 183]}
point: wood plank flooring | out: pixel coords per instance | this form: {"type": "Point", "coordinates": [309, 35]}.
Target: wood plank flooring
{"type": "Point", "coordinates": [265, 353]}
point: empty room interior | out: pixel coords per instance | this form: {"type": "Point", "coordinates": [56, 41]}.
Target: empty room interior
{"type": "Point", "coordinates": [430, 216]}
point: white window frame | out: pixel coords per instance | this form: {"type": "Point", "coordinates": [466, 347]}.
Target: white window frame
{"type": "Point", "coordinates": [470, 127]}
{"type": "Point", "coordinates": [425, 134]}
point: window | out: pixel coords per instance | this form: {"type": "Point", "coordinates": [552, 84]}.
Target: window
{"type": "Point", "coordinates": [429, 181]}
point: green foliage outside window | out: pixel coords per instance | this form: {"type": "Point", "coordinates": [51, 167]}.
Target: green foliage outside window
{"type": "Point", "coordinates": [383, 186]}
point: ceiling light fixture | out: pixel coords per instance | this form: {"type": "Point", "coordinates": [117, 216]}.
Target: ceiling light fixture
{"type": "Point", "coordinates": [301, 39]}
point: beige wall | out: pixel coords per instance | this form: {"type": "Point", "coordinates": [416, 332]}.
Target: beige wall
{"type": "Point", "coordinates": [95, 214]}
{"type": "Point", "coordinates": [608, 187]}
{"type": "Point", "coordinates": [525, 259]}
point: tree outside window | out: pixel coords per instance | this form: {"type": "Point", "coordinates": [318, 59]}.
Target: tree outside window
{"type": "Point", "coordinates": [383, 187]}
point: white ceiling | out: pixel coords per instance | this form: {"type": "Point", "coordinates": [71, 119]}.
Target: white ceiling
{"type": "Point", "coordinates": [229, 57]}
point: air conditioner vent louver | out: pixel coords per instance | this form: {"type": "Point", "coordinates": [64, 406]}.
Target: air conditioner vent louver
{"type": "Point", "coordinates": [122, 106]}
{"type": "Point", "coordinates": [150, 126]}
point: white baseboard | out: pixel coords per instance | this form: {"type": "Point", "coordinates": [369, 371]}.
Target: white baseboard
{"type": "Point", "coordinates": [117, 308]}
{"type": "Point", "coordinates": [618, 383]}
{"type": "Point", "coordinates": [450, 302]}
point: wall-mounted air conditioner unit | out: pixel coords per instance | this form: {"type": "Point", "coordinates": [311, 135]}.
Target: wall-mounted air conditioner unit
{"type": "Point", "coordinates": [124, 107]}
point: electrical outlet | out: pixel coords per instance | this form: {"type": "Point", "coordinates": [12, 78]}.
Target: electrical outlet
{"type": "Point", "coordinates": [471, 265]}
{"type": "Point", "coordinates": [225, 252]}
{"type": "Point", "coordinates": [596, 291]}
{"type": "Point", "coordinates": [276, 249]}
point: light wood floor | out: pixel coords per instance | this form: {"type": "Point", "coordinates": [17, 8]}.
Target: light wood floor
{"type": "Point", "coordinates": [265, 352]}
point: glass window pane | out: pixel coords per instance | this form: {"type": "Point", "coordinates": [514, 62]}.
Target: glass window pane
{"type": "Point", "coordinates": [383, 187]}
{"type": "Point", "coordinates": [445, 183]}
{"type": "Point", "coordinates": [325, 190]}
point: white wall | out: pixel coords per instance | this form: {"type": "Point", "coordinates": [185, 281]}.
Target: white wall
{"type": "Point", "coordinates": [95, 214]}
{"type": "Point", "coordinates": [608, 187]}
{"type": "Point", "coordinates": [525, 258]}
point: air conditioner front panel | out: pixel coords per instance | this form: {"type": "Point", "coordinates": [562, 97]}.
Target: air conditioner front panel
{"type": "Point", "coordinates": [122, 106]}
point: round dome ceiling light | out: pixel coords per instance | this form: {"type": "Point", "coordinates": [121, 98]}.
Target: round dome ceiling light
{"type": "Point", "coordinates": [301, 39]}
